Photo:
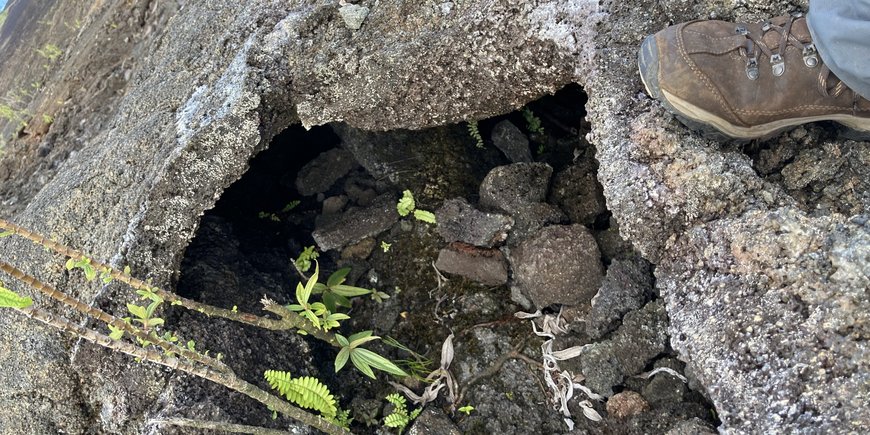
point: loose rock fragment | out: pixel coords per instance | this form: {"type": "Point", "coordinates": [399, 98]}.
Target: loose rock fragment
{"type": "Point", "coordinates": [486, 266]}
{"type": "Point", "coordinates": [353, 15]}
{"type": "Point", "coordinates": [626, 404]}
{"type": "Point", "coordinates": [511, 141]}
{"type": "Point", "coordinates": [642, 336]}
{"type": "Point", "coordinates": [354, 225]}
{"type": "Point", "coordinates": [559, 264]}
{"type": "Point", "coordinates": [512, 187]}
{"type": "Point", "coordinates": [318, 175]}
{"type": "Point", "coordinates": [626, 287]}
{"type": "Point", "coordinates": [433, 421]}
{"type": "Point", "coordinates": [458, 221]}
{"type": "Point", "coordinates": [576, 191]}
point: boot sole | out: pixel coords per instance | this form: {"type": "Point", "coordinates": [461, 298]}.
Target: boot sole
{"type": "Point", "coordinates": [715, 127]}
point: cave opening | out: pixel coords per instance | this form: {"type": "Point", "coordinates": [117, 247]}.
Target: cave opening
{"type": "Point", "coordinates": [336, 188]}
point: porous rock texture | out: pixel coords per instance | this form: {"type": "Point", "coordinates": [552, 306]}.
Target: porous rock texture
{"type": "Point", "coordinates": [764, 279]}
{"type": "Point", "coordinates": [764, 276]}
{"type": "Point", "coordinates": [190, 101]}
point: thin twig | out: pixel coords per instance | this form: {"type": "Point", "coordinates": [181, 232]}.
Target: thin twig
{"type": "Point", "coordinates": [289, 320]}
{"type": "Point", "coordinates": [109, 319]}
{"type": "Point", "coordinates": [219, 425]}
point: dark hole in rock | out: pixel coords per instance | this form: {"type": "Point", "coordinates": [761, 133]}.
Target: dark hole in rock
{"type": "Point", "coordinates": [338, 186]}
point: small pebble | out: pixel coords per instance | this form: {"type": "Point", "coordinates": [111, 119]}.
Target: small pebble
{"type": "Point", "coordinates": [626, 404]}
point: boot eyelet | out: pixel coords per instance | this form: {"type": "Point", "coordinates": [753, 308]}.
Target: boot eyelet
{"type": "Point", "coordinates": [777, 65]}
{"type": "Point", "coordinates": [811, 58]}
{"type": "Point", "coordinates": [741, 30]}
{"type": "Point", "coordinates": [752, 68]}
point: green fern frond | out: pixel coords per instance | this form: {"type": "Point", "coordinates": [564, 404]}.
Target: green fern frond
{"type": "Point", "coordinates": [307, 392]}
{"type": "Point", "coordinates": [397, 400]}
{"type": "Point", "coordinates": [396, 420]}
{"type": "Point", "coordinates": [474, 132]}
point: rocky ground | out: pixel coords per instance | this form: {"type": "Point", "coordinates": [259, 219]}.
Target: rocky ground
{"type": "Point", "coordinates": [177, 140]}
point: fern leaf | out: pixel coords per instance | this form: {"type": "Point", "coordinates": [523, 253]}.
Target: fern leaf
{"type": "Point", "coordinates": [425, 216]}
{"type": "Point", "coordinates": [278, 380]}
{"type": "Point", "coordinates": [397, 400]}
{"type": "Point", "coordinates": [315, 395]}
{"type": "Point", "coordinates": [307, 392]}
{"type": "Point", "coordinates": [396, 420]}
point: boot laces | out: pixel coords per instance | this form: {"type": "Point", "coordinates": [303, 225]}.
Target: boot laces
{"type": "Point", "coordinates": [754, 44]}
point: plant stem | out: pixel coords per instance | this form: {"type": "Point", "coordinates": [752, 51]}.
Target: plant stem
{"type": "Point", "coordinates": [229, 380]}
{"type": "Point", "coordinates": [289, 320]}
{"type": "Point", "coordinates": [107, 318]}
{"type": "Point", "coordinates": [219, 425]}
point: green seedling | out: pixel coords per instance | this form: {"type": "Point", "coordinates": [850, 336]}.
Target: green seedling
{"type": "Point", "coordinates": [335, 293]}
{"type": "Point", "coordinates": [316, 312]}
{"type": "Point", "coordinates": [363, 359]}
{"type": "Point", "coordinates": [533, 123]}
{"type": "Point", "coordinates": [303, 262]}
{"type": "Point", "coordinates": [408, 205]}
{"type": "Point", "coordinates": [400, 417]}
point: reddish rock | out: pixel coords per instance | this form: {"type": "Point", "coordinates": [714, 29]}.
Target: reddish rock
{"type": "Point", "coordinates": [486, 266]}
{"type": "Point", "coordinates": [626, 404]}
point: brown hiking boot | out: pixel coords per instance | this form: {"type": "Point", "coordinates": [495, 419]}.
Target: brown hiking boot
{"type": "Point", "coordinates": [747, 81]}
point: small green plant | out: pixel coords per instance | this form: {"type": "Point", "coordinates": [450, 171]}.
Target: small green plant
{"type": "Point", "coordinates": [533, 123]}
{"type": "Point", "coordinates": [408, 205]}
{"type": "Point", "coordinates": [336, 293]}
{"type": "Point", "coordinates": [379, 296]}
{"type": "Point", "coordinates": [418, 366]}
{"type": "Point", "coordinates": [145, 315]}
{"type": "Point", "coordinates": [363, 359]}
{"type": "Point", "coordinates": [48, 119]}
{"type": "Point", "coordinates": [50, 52]}
{"type": "Point", "coordinates": [316, 312]}
{"type": "Point", "coordinates": [303, 262]}
{"type": "Point", "coordinates": [400, 417]}
{"type": "Point", "coordinates": [13, 115]}
{"type": "Point", "coordinates": [466, 409]}
{"type": "Point", "coordinates": [386, 246]}
{"type": "Point", "coordinates": [85, 265]}
{"type": "Point", "coordinates": [270, 216]}
{"type": "Point", "coordinates": [474, 132]}
{"type": "Point", "coordinates": [290, 206]}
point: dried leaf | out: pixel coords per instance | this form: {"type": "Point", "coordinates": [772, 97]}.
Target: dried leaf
{"type": "Point", "coordinates": [571, 352]}
{"type": "Point", "coordinates": [447, 352]}
{"type": "Point", "coordinates": [524, 315]}
{"type": "Point", "coordinates": [667, 370]}
{"type": "Point", "coordinates": [589, 393]}
{"type": "Point", "coordinates": [590, 412]}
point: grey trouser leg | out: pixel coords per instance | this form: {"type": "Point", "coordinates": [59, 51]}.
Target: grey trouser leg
{"type": "Point", "coordinates": [841, 32]}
